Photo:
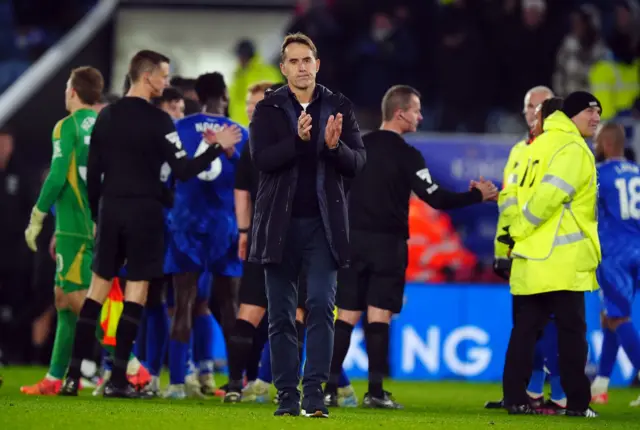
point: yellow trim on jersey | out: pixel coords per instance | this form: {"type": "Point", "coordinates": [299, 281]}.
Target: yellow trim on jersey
{"type": "Point", "coordinates": [75, 270]}
{"type": "Point", "coordinates": [335, 313]}
{"type": "Point", "coordinates": [57, 130]}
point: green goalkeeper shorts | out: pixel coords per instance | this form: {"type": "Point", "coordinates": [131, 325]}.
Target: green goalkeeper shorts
{"type": "Point", "coordinates": [73, 263]}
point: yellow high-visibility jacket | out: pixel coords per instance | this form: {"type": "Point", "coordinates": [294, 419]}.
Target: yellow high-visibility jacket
{"type": "Point", "coordinates": [256, 71]}
{"type": "Point", "coordinates": [507, 202]}
{"type": "Point", "coordinates": [555, 229]}
{"type": "Point", "coordinates": [616, 85]}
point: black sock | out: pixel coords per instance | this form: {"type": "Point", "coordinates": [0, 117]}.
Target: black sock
{"type": "Point", "coordinates": [377, 339]}
{"type": "Point", "coordinates": [301, 329]}
{"type": "Point", "coordinates": [85, 333]}
{"type": "Point", "coordinates": [259, 339]}
{"type": "Point", "coordinates": [125, 336]}
{"type": "Point", "coordinates": [240, 346]}
{"type": "Point", "coordinates": [341, 342]}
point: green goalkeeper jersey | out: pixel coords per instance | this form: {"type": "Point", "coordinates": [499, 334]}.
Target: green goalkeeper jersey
{"type": "Point", "coordinates": [65, 186]}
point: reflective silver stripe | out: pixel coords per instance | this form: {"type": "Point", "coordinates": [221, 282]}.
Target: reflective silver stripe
{"type": "Point", "coordinates": [531, 217]}
{"type": "Point", "coordinates": [556, 181]}
{"type": "Point", "coordinates": [513, 179]}
{"type": "Point", "coordinates": [569, 238]}
{"type": "Point", "coordinates": [511, 201]}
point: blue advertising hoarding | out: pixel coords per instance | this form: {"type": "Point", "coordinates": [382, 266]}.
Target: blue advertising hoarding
{"type": "Point", "coordinates": [461, 332]}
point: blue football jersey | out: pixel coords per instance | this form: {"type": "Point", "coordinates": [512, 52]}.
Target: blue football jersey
{"type": "Point", "coordinates": [618, 200]}
{"type": "Point", "coordinates": [212, 190]}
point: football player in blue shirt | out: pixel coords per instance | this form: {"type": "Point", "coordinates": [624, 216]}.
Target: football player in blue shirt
{"type": "Point", "coordinates": [204, 234]}
{"type": "Point", "coordinates": [619, 232]}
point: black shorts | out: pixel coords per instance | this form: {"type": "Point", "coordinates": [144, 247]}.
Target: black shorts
{"type": "Point", "coordinates": [130, 230]}
{"type": "Point", "coordinates": [253, 288]}
{"type": "Point", "coordinates": [376, 276]}
{"type": "Point", "coordinates": [252, 285]}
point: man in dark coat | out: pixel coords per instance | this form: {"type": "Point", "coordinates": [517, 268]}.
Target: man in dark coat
{"type": "Point", "coordinates": [304, 141]}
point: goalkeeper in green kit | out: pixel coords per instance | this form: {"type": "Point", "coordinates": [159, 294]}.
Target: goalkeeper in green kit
{"type": "Point", "coordinates": [65, 189]}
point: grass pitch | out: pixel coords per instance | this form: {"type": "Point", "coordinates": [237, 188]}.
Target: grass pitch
{"type": "Point", "coordinates": [441, 405]}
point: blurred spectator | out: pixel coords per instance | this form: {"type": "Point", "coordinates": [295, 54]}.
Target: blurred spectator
{"type": "Point", "coordinates": [314, 19]}
{"type": "Point", "coordinates": [615, 80]}
{"type": "Point", "coordinates": [251, 70]}
{"type": "Point", "coordinates": [461, 51]}
{"type": "Point", "coordinates": [172, 102]}
{"type": "Point", "coordinates": [380, 58]}
{"type": "Point", "coordinates": [527, 40]}
{"type": "Point", "coordinates": [188, 88]}
{"type": "Point", "coordinates": [16, 199]}
{"type": "Point", "coordinates": [581, 48]}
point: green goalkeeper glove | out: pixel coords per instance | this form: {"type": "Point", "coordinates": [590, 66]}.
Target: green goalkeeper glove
{"type": "Point", "coordinates": [34, 228]}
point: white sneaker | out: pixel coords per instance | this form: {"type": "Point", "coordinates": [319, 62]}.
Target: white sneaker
{"type": "Point", "coordinates": [256, 391]}
{"type": "Point", "coordinates": [175, 392]}
{"type": "Point", "coordinates": [347, 397]}
{"type": "Point", "coordinates": [192, 387]}
{"type": "Point", "coordinates": [207, 384]}
{"type": "Point", "coordinates": [153, 387]}
{"type": "Point", "coordinates": [635, 403]}
{"type": "Point", "coordinates": [99, 391]}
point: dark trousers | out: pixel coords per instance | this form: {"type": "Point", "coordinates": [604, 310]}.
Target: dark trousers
{"type": "Point", "coordinates": [531, 316]}
{"type": "Point", "coordinates": [306, 246]}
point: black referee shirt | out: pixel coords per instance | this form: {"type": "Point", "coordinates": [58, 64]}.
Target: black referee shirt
{"type": "Point", "coordinates": [129, 143]}
{"type": "Point", "coordinates": [379, 195]}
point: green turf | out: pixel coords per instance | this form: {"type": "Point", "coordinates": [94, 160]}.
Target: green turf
{"type": "Point", "coordinates": [445, 405]}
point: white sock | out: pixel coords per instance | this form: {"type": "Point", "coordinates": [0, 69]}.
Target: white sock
{"type": "Point", "coordinates": [562, 402]}
{"type": "Point", "coordinates": [133, 366]}
{"type": "Point", "coordinates": [600, 385]}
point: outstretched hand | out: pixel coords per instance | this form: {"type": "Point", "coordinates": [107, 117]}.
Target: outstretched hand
{"type": "Point", "coordinates": [487, 188]}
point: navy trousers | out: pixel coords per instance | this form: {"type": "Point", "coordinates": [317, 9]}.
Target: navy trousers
{"type": "Point", "coordinates": [306, 246]}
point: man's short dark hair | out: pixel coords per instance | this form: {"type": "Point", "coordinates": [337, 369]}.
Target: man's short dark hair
{"type": "Point", "coordinates": [88, 83]}
{"type": "Point", "coordinates": [145, 61]}
{"type": "Point", "coordinates": [397, 97]}
{"type": "Point", "coordinates": [210, 86]}
{"type": "Point", "coordinates": [300, 38]}
{"type": "Point", "coordinates": [550, 106]}
{"type": "Point", "coordinates": [183, 84]}
{"type": "Point", "coordinates": [168, 95]}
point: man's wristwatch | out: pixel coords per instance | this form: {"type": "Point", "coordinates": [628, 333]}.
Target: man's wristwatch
{"type": "Point", "coordinates": [243, 230]}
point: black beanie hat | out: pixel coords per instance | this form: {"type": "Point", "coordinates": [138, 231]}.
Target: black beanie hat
{"type": "Point", "coordinates": [578, 101]}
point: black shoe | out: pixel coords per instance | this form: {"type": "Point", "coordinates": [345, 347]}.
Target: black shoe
{"type": "Point", "coordinates": [70, 387]}
{"type": "Point", "coordinates": [522, 410]}
{"type": "Point", "coordinates": [331, 400]}
{"type": "Point", "coordinates": [289, 404]}
{"type": "Point", "coordinates": [385, 402]}
{"type": "Point", "coordinates": [494, 405]}
{"type": "Point", "coordinates": [127, 392]}
{"type": "Point", "coordinates": [587, 413]}
{"type": "Point", "coordinates": [232, 397]}
{"type": "Point", "coordinates": [313, 405]}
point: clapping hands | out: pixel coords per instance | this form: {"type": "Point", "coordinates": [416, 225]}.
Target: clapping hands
{"type": "Point", "coordinates": [487, 188]}
{"type": "Point", "coordinates": [333, 131]}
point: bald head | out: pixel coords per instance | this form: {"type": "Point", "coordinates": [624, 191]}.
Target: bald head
{"type": "Point", "coordinates": [609, 141]}
{"type": "Point", "coordinates": [532, 99]}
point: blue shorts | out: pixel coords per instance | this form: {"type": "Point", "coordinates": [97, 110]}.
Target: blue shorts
{"type": "Point", "coordinates": [618, 277]}
{"type": "Point", "coordinates": [194, 257]}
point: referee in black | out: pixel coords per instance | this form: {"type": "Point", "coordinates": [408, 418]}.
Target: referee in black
{"type": "Point", "coordinates": [378, 218]}
{"type": "Point", "coordinates": [130, 142]}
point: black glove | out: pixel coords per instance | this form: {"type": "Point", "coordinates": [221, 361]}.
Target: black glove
{"type": "Point", "coordinates": [502, 267]}
{"type": "Point", "coordinates": [506, 238]}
